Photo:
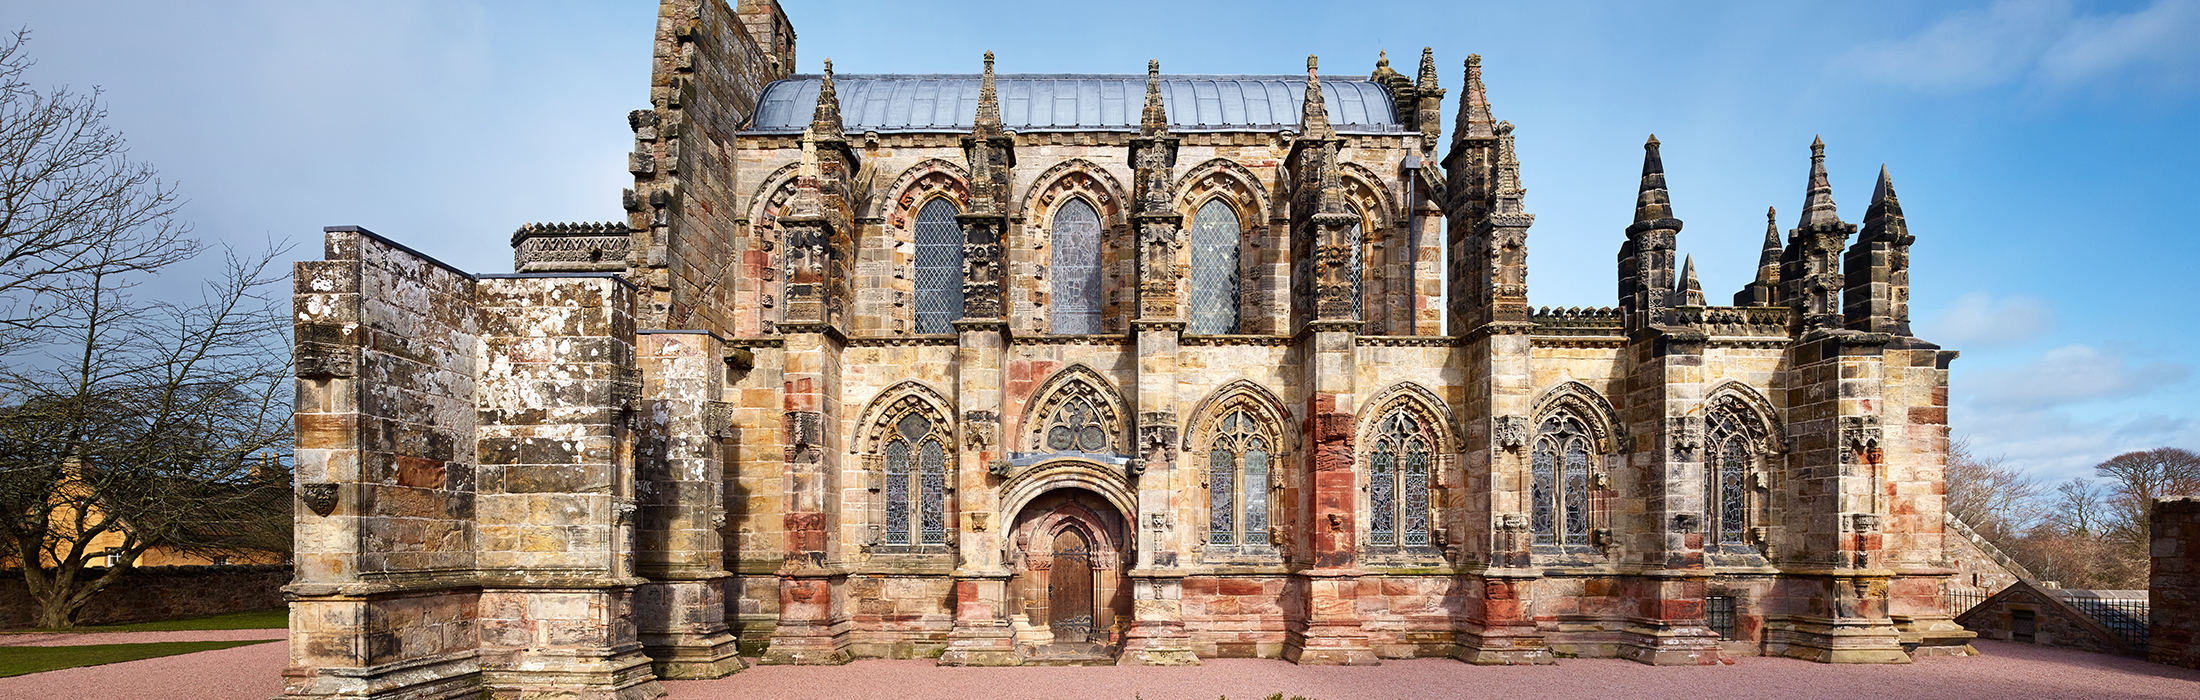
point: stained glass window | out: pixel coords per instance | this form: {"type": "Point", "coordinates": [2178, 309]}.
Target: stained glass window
{"type": "Point", "coordinates": [1237, 459]}
{"type": "Point", "coordinates": [897, 492]}
{"type": "Point", "coordinates": [1075, 267]}
{"type": "Point", "coordinates": [1211, 288]}
{"type": "Point", "coordinates": [1221, 488]}
{"type": "Point", "coordinates": [926, 464]}
{"type": "Point", "coordinates": [939, 268]}
{"type": "Point", "coordinates": [1397, 494]}
{"type": "Point", "coordinates": [1726, 491]}
{"type": "Point", "coordinates": [1559, 481]}
{"type": "Point", "coordinates": [934, 463]}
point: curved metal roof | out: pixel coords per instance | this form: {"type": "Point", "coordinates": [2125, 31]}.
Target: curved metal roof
{"type": "Point", "coordinates": [888, 103]}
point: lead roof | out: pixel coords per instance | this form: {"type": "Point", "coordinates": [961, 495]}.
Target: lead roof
{"type": "Point", "coordinates": [1075, 102]}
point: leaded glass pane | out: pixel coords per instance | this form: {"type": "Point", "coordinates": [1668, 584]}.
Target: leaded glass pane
{"type": "Point", "coordinates": [1358, 263]}
{"type": "Point", "coordinates": [934, 459]}
{"type": "Point", "coordinates": [897, 493]}
{"type": "Point", "coordinates": [939, 268]}
{"type": "Point", "coordinates": [913, 426]}
{"type": "Point", "coordinates": [1733, 493]}
{"type": "Point", "coordinates": [1211, 288]}
{"type": "Point", "coordinates": [1220, 489]}
{"type": "Point", "coordinates": [1256, 492]}
{"type": "Point", "coordinates": [1415, 486]}
{"type": "Point", "coordinates": [1577, 491]}
{"type": "Point", "coordinates": [1544, 474]}
{"type": "Point", "coordinates": [1381, 499]}
{"type": "Point", "coordinates": [1075, 267]}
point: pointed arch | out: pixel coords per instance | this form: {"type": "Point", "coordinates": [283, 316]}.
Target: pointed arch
{"type": "Point", "coordinates": [1362, 187]}
{"type": "Point", "coordinates": [907, 442]}
{"type": "Point", "coordinates": [931, 177]}
{"type": "Point", "coordinates": [756, 306]}
{"type": "Point", "coordinates": [1233, 395]}
{"type": "Point", "coordinates": [1405, 435]}
{"type": "Point", "coordinates": [1412, 396]}
{"type": "Point", "coordinates": [889, 404]}
{"type": "Point", "coordinates": [1076, 411]}
{"type": "Point", "coordinates": [1753, 413]}
{"type": "Point", "coordinates": [1226, 179]}
{"type": "Point", "coordinates": [1238, 439]}
{"type": "Point", "coordinates": [1740, 436]}
{"type": "Point", "coordinates": [1076, 176]}
{"type": "Point", "coordinates": [1596, 413]}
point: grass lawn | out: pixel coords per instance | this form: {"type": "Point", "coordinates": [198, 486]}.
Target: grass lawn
{"type": "Point", "coordinates": [250, 620]}
{"type": "Point", "coordinates": [16, 661]}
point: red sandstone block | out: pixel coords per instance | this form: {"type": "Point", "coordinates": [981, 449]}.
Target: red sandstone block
{"type": "Point", "coordinates": [1238, 586]}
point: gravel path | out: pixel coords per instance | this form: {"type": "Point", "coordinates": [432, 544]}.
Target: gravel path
{"type": "Point", "coordinates": [2006, 671]}
{"type": "Point", "coordinates": [73, 639]}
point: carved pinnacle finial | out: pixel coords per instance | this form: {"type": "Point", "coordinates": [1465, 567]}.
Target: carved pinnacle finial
{"type": "Point", "coordinates": [1884, 219]}
{"type": "Point", "coordinates": [1316, 117]}
{"type": "Point", "coordinates": [1475, 120]}
{"type": "Point", "coordinates": [989, 101]}
{"type": "Point", "coordinates": [1653, 206]}
{"type": "Point", "coordinates": [1155, 119]}
{"type": "Point", "coordinates": [1689, 290]}
{"type": "Point", "coordinates": [1426, 79]}
{"type": "Point", "coordinates": [1382, 58]}
{"type": "Point", "coordinates": [825, 122]}
{"type": "Point", "coordinates": [1818, 207]}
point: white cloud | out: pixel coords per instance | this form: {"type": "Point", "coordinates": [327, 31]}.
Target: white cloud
{"type": "Point", "coordinates": [2073, 374]}
{"type": "Point", "coordinates": [1978, 321]}
{"type": "Point", "coordinates": [2053, 446]}
{"type": "Point", "coordinates": [2046, 40]}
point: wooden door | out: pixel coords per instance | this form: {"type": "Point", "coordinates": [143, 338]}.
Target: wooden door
{"type": "Point", "coordinates": [1069, 588]}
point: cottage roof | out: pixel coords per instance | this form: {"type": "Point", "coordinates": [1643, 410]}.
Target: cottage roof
{"type": "Point", "coordinates": [1076, 102]}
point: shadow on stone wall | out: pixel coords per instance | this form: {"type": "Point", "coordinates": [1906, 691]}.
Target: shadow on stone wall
{"type": "Point", "coordinates": [162, 593]}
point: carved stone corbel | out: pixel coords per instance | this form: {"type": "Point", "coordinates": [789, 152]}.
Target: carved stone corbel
{"type": "Point", "coordinates": [319, 497]}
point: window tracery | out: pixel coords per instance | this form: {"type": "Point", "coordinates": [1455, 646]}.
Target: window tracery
{"type": "Point", "coordinates": [939, 268]}
{"type": "Point", "coordinates": [1734, 441]}
{"type": "Point", "coordinates": [916, 483]}
{"type": "Point", "coordinates": [1075, 415]}
{"type": "Point", "coordinates": [1212, 285]}
{"type": "Point", "coordinates": [1237, 482]}
{"type": "Point", "coordinates": [1398, 473]}
{"type": "Point", "coordinates": [1559, 480]}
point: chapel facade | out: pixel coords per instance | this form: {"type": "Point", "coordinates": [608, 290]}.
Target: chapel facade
{"type": "Point", "coordinates": [1138, 369]}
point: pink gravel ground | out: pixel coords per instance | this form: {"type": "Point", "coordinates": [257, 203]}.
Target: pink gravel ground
{"type": "Point", "coordinates": [2005, 671]}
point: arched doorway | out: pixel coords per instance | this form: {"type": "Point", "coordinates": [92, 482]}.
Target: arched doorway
{"type": "Point", "coordinates": [1071, 598]}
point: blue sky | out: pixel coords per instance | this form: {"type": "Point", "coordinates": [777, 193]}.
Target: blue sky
{"type": "Point", "coordinates": [2047, 152]}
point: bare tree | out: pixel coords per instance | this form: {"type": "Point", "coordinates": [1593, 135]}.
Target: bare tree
{"type": "Point", "coordinates": [1995, 499]}
{"type": "Point", "coordinates": [71, 201]}
{"type": "Point", "coordinates": [2139, 479]}
{"type": "Point", "coordinates": [2079, 508]}
{"type": "Point", "coordinates": [127, 421]}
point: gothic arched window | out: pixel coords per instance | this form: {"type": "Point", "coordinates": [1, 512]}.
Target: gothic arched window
{"type": "Point", "coordinates": [1211, 289]}
{"type": "Point", "coordinates": [939, 268]}
{"type": "Point", "coordinates": [1397, 493]}
{"type": "Point", "coordinates": [1726, 480]}
{"type": "Point", "coordinates": [1075, 268]}
{"type": "Point", "coordinates": [1560, 481]}
{"type": "Point", "coordinates": [916, 483]}
{"type": "Point", "coordinates": [1237, 465]}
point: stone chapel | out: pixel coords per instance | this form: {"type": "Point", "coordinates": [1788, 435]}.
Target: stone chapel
{"type": "Point", "coordinates": [1096, 368]}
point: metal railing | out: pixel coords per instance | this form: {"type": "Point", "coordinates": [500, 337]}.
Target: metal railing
{"type": "Point", "coordinates": [2127, 617]}
{"type": "Point", "coordinates": [1961, 600]}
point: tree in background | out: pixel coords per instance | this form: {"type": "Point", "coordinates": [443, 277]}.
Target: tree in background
{"type": "Point", "coordinates": [1992, 497]}
{"type": "Point", "coordinates": [2085, 533]}
{"type": "Point", "coordinates": [128, 421]}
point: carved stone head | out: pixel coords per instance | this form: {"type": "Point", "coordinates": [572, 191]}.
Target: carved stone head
{"type": "Point", "coordinates": [318, 497]}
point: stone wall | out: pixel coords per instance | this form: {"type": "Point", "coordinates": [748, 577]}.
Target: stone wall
{"type": "Point", "coordinates": [2054, 622]}
{"type": "Point", "coordinates": [2174, 636]}
{"type": "Point", "coordinates": [159, 593]}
